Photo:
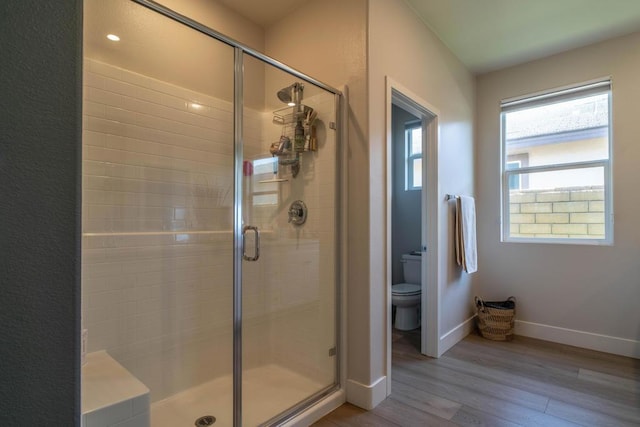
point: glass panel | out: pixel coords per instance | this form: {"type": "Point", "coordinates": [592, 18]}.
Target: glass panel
{"type": "Point", "coordinates": [158, 174]}
{"type": "Point", "coordinates": [559, 204]}
{"type": "Point", "coordinates": [416, 141]}
{"type": "Point", "coordinates": [562, 132]}
{"type": "Point", "coordinates": [289, 306]}
{"type": "Point", "coordinates": [417, 173]}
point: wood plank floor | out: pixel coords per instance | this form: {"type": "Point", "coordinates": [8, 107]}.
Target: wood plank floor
{"type": "Point", "coordinates": [525, 382]}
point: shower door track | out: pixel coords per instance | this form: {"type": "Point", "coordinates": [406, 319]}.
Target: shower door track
{"type": "Point", "coordinates": [239, 50]}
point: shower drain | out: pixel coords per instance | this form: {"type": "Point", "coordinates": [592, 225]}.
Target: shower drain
{"type": "Point", "coordinates": [207, 420]}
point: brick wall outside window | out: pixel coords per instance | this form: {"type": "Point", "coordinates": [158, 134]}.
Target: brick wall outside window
{"type": "Point", "coordinates": [576, 212]}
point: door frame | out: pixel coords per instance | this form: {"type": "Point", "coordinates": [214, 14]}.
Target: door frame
{"type": "Point", "coordinates": [399, 95]}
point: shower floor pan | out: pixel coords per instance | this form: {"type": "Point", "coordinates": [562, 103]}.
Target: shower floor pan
{"type": "Point", "coordinates": [267, 391]}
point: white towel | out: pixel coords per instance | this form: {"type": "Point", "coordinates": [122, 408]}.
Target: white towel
{"type": "Point", "coordinates": [466, 248]}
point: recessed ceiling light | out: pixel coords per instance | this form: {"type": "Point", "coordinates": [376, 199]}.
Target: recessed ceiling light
{"type": "Point", "coordinates": [291, 104]}
{"type": "Point", "coordinates": [113, 37]}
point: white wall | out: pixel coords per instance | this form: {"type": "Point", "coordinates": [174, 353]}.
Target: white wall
{"type": "Point", "coordinates": [565, 152]}
{"type": "Point", "coordinates": [220, 18]}
{"type": "Point", "coordinates": [581, 295]}
{"type": "Point", "coordinates": [403, 48]}
{"type": "Point", "coordinates": [154, 45]}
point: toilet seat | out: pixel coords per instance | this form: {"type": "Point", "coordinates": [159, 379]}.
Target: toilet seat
{"type": "Point", "coordinates": [406, 289]}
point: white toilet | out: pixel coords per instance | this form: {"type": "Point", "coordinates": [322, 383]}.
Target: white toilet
{"type": "Point", "coordinates": [406, 296]}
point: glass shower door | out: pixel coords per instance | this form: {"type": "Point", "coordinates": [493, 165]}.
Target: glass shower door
{"type": "Point", "coordinates": [158, 179]}
{"type": "Point", "coordinates": [165, 194]}
{"type": "Point", "coordinates": [289, 337]}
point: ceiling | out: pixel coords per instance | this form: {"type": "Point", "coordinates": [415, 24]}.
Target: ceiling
{"type": "Point", "coordinates": [261, 12]}
{"type": "Point", "coordinates": [487, 35]}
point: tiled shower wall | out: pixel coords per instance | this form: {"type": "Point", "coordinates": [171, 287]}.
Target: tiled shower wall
{"type": "Point", "coordinates": [157, 220]}
{"type": "Point", "coordinates": [301, 281]}
{"type": "Point", "coordinates": [157, 242]}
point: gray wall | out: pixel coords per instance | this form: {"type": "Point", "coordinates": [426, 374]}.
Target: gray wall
{"type": "Point", "coordinates": [406, 205]}
{"type": "Point", "coordinates": [40, 43]}
{"type": "Point", "coordinates": [560, 287]}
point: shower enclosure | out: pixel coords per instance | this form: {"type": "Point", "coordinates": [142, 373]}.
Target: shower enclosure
{"type": "Point", "coordinates": [210, 220]}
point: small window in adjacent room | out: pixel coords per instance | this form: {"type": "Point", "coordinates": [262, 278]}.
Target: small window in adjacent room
{"type": "Point", "coordinates": [413, 144]}
{"type": "Point", "coordinates": [556, 167]}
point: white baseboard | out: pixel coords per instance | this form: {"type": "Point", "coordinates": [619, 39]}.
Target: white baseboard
{"type": "Point", "coordinates": [598, 342]}
{"type": "Point", "coordinates": [455, 335]}
{"type": "Point", "coordinates": [367, 396]}
{"type": "Point", "coordinates": [317, 411]}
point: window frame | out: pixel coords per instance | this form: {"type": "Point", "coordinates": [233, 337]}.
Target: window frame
{"type": "Point", "coordinates": [409, 157]}
{"type": "Point", "coordinates": [600, 86]}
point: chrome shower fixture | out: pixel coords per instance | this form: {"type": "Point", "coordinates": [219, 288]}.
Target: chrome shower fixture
{"type": "Point", "coordinates": [292, 94]}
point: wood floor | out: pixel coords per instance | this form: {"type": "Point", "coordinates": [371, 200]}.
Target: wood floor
{"type": "Point", "coordinates": [525, 382]}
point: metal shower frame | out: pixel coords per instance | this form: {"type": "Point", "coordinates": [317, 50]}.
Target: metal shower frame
{"type": "Point", "coordinates": [239, 51]}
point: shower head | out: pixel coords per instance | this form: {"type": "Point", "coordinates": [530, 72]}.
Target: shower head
{"type": "Point", "coordinates": [291, 95]}
{"type": "Point", "coordinates": [284, 95]}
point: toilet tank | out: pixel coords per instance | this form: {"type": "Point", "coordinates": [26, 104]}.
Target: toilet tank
{"type": "Point", "coordinates": [411, 268]}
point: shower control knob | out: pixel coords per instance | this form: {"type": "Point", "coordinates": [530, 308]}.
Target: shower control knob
{"type": "Point", "coordinates": [297, 212]}
{"type": "Point", "coordinates": [294, 213]}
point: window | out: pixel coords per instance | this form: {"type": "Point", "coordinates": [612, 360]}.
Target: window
{"type": "Point", "coordinates": [264, 183]}
{"type": "Point", "coordinates": [556, 167]}
{"type": "Point", "coordinates": [413, 144]}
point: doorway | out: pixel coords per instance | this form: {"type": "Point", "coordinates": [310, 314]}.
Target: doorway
{"type": "Point", "coordinates": [412, 193]}
{"type": "Point", "coordinates": [406, 224]}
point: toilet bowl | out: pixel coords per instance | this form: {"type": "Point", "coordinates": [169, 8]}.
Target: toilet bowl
{"type": "Point", "coordinates": [406, 297]}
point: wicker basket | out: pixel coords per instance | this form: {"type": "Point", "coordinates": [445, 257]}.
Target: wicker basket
{"type": "Point", "coordinates": [496, 319]}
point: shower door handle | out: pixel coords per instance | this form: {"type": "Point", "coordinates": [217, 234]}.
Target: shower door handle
{"type": "Point", "coordinates": [256, 253]}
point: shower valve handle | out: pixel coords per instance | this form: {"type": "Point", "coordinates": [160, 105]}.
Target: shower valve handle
{"type": "Point", "coordinates": [297, 212]}
{"type": "Point", "coordinates": [294, 212]}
